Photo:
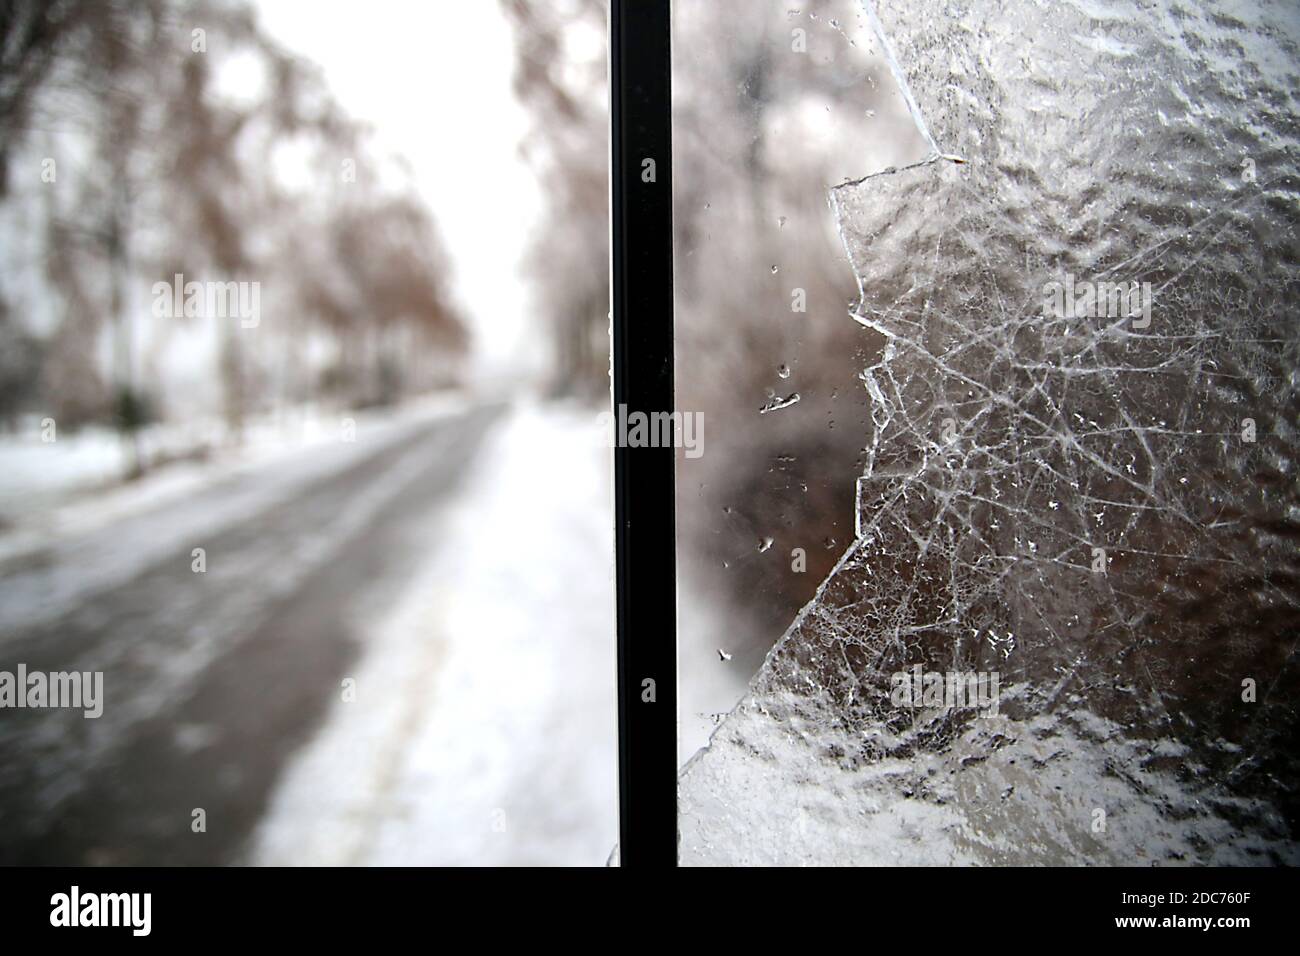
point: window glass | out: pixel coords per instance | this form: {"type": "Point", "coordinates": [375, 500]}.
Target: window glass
{"type": "Point", "coordinates": [1058, 619]}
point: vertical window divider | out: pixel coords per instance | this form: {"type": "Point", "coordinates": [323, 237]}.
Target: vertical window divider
{"type": "Point", "coordinates": [641, 314]}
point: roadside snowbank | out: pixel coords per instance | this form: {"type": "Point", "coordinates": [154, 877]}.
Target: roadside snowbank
{"type": "Point", "coordinates": [78, 481]}
{"type": "Point", "coordinates": [63, 549]}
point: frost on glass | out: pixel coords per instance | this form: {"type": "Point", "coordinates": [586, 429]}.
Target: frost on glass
{"type": "Point", "coordinates": [1097, 504]}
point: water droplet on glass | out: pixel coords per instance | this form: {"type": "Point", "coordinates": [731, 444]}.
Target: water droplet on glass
{"type": "Point", "coordinates": [776, 402]}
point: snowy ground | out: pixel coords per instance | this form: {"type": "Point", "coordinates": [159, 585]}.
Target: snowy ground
{"type": "Point", "coordinates": [452, 564]}
{"type": "Point", "coordinates": [53, 490]}
{"type": "Point", "coordinates": [483, 726]}
{"type": "Point", "coordinates": [68, 537]}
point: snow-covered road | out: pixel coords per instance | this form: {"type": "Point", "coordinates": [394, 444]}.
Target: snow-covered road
{"type": "Point", "coordinates": [483, 729]}
{"type": "Point", "coordinates": [448, 575]}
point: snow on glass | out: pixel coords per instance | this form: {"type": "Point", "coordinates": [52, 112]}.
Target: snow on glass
{"type": "Point", "coordinates": [1093, 500]}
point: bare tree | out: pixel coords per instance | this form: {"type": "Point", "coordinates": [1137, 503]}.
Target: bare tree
{"type": "Point", "coordinates": [560, 75]}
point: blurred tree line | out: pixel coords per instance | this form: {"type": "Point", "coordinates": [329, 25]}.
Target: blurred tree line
{"type": "Point", "coordinates": [142, 139]}
{"type": "Point", "coordinates": [560, 76]}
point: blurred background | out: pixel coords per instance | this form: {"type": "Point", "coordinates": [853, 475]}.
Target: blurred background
{"type": "Point", "coordinates": [336, 529]}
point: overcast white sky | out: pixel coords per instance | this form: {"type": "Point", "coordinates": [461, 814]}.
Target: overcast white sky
{"type": "Point", "coordinates": [433, 79]}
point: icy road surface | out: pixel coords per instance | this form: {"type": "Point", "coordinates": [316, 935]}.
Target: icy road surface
{"type": "Point", "coordinates": [402, 569]}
